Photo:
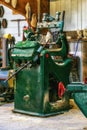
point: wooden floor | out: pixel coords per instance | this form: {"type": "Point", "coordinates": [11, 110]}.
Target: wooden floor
{"type": "Point", "coordinates": [71, 120]}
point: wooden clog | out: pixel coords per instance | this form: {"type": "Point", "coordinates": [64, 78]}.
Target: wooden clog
{"type": "Point", "coordinates": [4, 23]}
{"type": "Point", "coordinates": [7, 1]}
{"type": "Point", "coordinates": [28, 10]}
{"type": "Point", "coordinates": [14, 3]}
{"type": "Point", "coordinates": [1, 11]}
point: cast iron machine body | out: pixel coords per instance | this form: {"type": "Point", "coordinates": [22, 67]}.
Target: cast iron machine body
{"type": "Point", "coordinates": [36, 86]}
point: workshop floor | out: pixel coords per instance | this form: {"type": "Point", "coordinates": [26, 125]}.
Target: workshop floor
{"type": "Point", "coordinates": [71, 120]}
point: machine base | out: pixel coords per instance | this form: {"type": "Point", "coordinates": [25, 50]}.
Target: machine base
{"type": "Point", "coordinates": [39, 114]}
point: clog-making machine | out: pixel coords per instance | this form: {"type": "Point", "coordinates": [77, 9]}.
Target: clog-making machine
{"type": "Point", "coordinates": [41, 79]}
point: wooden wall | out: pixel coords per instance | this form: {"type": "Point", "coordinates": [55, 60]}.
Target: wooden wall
{"type": "Point", "coordinates": [75, 16]}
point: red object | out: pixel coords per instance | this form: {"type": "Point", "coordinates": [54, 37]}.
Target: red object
{"type": "Point", "coordinates": [61, 89]}
{"type": "Point", "coordinates": [47, 55]}
{"type": "Point", "coordinates": [85, 80]}
{"type": "Point", "coordinates": [25, 28]}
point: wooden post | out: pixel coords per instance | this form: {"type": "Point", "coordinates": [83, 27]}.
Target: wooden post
{"type": "Point", "coordinates": [38, 6]}
{"type": "Point", "coordinates": [4, 59]}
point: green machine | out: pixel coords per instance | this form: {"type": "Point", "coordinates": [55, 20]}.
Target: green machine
{"type": "Point", "coordinates": [41, 83]}
{"type": "Point", "coordinates": [78, 91]}
{"type": "Point", "coordinates": [36, 86]}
